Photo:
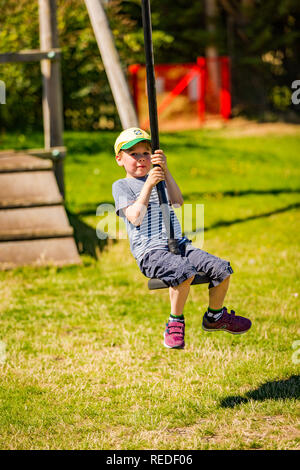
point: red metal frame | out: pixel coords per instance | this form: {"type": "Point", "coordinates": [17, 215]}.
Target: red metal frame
{"type": "Point", "coordinates": [193, 69]}
{"type": "Point", "coordinates": [202, 87]}
{"type": "Point", "coordinates": [225, 93]}
{"type": "Point", "coordinates": [133, 71]}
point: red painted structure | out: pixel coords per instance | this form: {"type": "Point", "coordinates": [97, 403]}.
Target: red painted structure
{"type": "Point", "coordinates": [200, 95]}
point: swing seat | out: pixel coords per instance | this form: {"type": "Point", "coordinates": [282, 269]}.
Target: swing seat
{"type": "Point", "coordinates": [155, 283]}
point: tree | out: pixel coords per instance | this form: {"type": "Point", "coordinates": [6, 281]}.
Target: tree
{"type": "Point", "coordinates": [262, 38]}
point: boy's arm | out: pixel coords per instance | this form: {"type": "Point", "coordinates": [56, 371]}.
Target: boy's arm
{"type": "Point", "coordinates": [174, 192]}
{"type": "Point", "coordinates": [135, 213]}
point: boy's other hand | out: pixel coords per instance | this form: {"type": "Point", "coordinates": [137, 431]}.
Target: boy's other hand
{"type": "Point", "coordinates": [159, 158]}
{"type": "Point", "coordinates": [155, 175]}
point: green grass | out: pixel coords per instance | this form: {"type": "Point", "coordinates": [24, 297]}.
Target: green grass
{"type": "Point", "coordinates": [85, 367]}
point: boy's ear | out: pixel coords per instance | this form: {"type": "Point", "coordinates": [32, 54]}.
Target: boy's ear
{"type": "Point", "coordinates": [119, 159]}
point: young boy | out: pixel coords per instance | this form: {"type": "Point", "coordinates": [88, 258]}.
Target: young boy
{"type": "Point", "coordinates": [136, 201]}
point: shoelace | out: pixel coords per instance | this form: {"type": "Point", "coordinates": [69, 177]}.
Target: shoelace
{"type": "Point", "coordinates": [231, 315]}
{"type": "Point", "coordinates": [175, 328]}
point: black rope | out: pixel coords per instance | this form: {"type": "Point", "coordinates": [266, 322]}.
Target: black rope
{"type": "Point", "coordinates": [152, 104]}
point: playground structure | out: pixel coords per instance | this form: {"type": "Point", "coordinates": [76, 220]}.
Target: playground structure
{"type": "Point", "coordinates": [186, 93]}
{"type": "Point", "coordinates": [34, 228]}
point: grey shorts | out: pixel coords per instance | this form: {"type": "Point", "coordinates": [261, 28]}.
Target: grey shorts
{"type": "Point", "coordinates": [174, 269]}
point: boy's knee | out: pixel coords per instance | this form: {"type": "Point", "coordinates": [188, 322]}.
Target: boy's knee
{"type": "Point", "coordinates": [223, 270]}
{"type": "Point", "coordinates": [184, 283]}
{"type": "Point", "coordinates": [190, 280]}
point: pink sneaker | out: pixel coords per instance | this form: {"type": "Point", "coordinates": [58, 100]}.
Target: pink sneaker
{"type": "Point", "coordinates": [174, 335]}
{"type": "Point", "coordinates": [228, 322]}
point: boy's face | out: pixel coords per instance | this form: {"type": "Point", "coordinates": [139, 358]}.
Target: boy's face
{"type": "Point", "coordinates": [136, 160]}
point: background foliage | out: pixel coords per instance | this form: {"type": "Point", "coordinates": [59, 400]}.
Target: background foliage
{"type": "Point", "coordinates": [262, 41]}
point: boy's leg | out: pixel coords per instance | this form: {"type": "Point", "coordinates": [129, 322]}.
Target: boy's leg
{"type": "Point", "coordinates": [217, 318]}
{"type": "Point", "coordinates": [179, 295]}
{"type": "Point", "coordinates": [175, 328]}
{"type": "Point", "coordinates": [178, 273]}
{"type": "Point", "coordinates": [217, 294]}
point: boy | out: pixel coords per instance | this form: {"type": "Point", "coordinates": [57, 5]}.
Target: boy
{"type": "Point", "coordinates": [137, 203]}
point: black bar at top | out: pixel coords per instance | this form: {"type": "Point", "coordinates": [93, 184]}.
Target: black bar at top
{"type": "Point", "coordinates": [151, 87]}
{"type": "Point", "coordinates": [152, 104]}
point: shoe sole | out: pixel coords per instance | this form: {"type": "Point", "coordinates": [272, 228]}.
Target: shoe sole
{"type": "Point", "coordinates": [172, 347]}
{"type": "Point", "coordinates": [227, 331]}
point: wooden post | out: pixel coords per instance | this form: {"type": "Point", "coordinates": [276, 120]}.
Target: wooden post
{"type": "Point", "coordinates": [52, 93]}
{"type": "Point", "coordinates": [111, 61]}
{"type": "Point", "coordinates": [211, 51]}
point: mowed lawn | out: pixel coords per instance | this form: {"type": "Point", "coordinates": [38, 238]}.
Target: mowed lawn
{"type": "Point", "coordinates": [82, 359]}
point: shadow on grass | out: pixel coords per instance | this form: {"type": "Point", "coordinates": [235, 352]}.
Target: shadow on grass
{"type": "Point", "coordinates": [88, 242]}
{"type": "Point", "coordinates": [84, 228]}
{"type": "Point", "coordinates": [226, 223]}
{"type": "Point", "coordinates": [92, 209]}
{"type": "Point", "coordinates": [276, 390]}
{"type": "Point", "coordinates": [86, 238]}
{"type": "Point", "coordinates": [253, 217]}
{"type": "Point", "coordinates": [247, 192]}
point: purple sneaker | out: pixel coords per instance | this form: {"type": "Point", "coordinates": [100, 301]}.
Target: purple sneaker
{"type": "Point", "coordinates": [174, 335]}
{"type": "Point", "coordinates": [228, 322]}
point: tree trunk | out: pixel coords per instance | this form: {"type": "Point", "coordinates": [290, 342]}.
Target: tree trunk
{"type": "Point", "coordinates": [247, 3]}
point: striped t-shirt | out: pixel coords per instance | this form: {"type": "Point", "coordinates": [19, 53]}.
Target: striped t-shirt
{"type": "Point", "coordinates": [152, 233]}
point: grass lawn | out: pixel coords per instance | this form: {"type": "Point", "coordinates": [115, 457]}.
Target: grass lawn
{"type": "Point", "coordinates": [82, 360]}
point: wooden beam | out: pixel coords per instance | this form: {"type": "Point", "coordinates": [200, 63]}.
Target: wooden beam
{"type": "Point", "coordinates": [111, 61]}
{"type": "Point", "coordinates": [35, 233]}
{"type": "Point", "coordinates": [52, 251]}
{"type": "Point", "coordinates": [33, 55]}
{"type": "Point", "coordinates": [53, 153]}
{"type": "Point", "coordinates": [52, 92]}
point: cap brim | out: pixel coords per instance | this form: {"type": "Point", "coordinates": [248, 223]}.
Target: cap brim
{"type": "Point", "coordinates": [133, 142]}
